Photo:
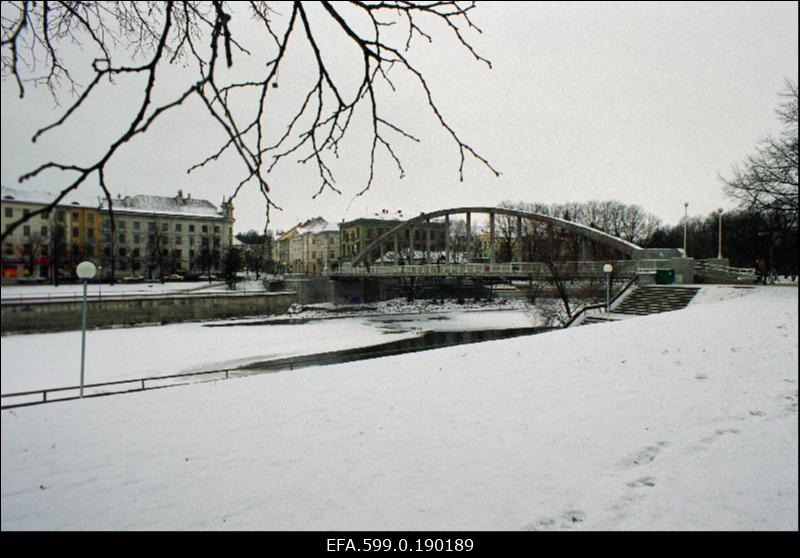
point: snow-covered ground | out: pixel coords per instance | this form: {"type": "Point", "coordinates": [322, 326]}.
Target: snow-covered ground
{"type": "Point", "coordinates": [49, 360]}
{"type": "Point", "coordinates": [684, 420]}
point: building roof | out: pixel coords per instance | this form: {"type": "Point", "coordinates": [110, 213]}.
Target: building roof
{"type": "Point", "coordinates": [179, 206]}
{"type": "Point", "coordinates": [23, 195]}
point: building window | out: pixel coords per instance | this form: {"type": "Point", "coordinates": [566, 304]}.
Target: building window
{"type": "Point", "coordinates": [9, 249]}
{"type": "Point", "coordinates": [204, 228]}
{"type": "Point", "coordinates": [44, 231]}
{"type": "Point", "coordinates": [136, 225]}
{"type": "Point", "coordinates": [76, 216]}
{"type": "Point", "coordinates": [123, 252]}
{"type": "Point", "coordinates": [90, 219]}
{"type": "Point", "coordinates": [137, 238]}
{"type": "Point", "coordinates": [216, 229]}
{"type": "Point", "coordinates": [122, 224]}
{"type": "Point", "coordinates": [178, 240]}
{"type": "Point", "coordinates": [122, 238]}
{"type": "Point", "coordinates": [60, 216]}
{"type": "Point", "coordinates": [9, 212]}
{"type": "Point", "coordinates": [165, 227]}
{"type": "Point", "coordinates": [135, 253]}
{"type": "Point", "coordinates": [90, 251]}
{"type": "Point", "coordinates": [45, 250]}
{"type": "Point", "coordinates": [90, 233]}
{"type": "Point", "coordinates": [177, 227]}
{"type": "Point", "coordinates": [26, 212]}
{"type": "Point", "coordinates": [191, 228]}
{"type": "Point", "coordinates": [26, 230]}
{"type": "Point", "coordinates": [151, 226]}
{"type": "Point", "coordinates": [75, 232]}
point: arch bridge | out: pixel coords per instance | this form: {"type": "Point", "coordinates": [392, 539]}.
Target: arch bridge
{"type": "Point", "coordinates": [412, 249]}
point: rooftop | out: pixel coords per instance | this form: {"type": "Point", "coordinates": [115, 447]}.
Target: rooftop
{"type": "Point", "coordinates": [178, 205]}
{"type": "Point", "coordinates": [23, 195]}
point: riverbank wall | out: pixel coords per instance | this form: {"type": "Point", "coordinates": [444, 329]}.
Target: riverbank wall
{"type": "Point", "coordinates": [48, 316]}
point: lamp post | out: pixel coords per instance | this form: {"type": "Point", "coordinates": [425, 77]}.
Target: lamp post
{"type": "Point", "coordinates": [719, 252]}
{"type": "Point", "coordinates": [85, 271]}
{"type": "Point", "coordinates": [685, 224]}
{"type": "Point", "coordinates": [607, 269]}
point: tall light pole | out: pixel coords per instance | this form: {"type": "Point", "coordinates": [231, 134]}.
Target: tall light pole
{"type": "Point", "coordinates": [607, 269]}
{"type": "Point", "coordinates": [85, 271]}
{"type": "Point", "coordinates": [685, 224]}
{"type": "Point", "coordinates": [719, 252]}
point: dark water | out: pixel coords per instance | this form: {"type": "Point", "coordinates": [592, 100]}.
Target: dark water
{"type": "Point", "coordinates": [425, 342]}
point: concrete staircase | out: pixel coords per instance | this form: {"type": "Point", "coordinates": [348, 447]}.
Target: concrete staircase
{"type": "Point", "coordinates": [646, 300]}
{"type": "Point", "coordinates": [653, 300]}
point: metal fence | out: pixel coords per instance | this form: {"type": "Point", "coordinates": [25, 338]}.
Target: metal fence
{"type": "Point", "coordinates": [52, 395]}
{"type": "Point", "coordinates": [535, 269]}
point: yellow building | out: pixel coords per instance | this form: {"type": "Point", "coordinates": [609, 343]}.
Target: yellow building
{"type": "Point", "coordinates": [51, 242]}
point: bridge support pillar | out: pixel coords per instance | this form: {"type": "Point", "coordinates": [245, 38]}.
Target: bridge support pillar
{"type": "Point", "coordinates": [519, 239]}
{"type": "Point", "coordinates": [428, 244]}
{"type": "Point", "coordinates": [491, 238]}
{"type": "Point", "coordinates": [468, 248]}
{"type": "Point", "coordinates": [447, 239]}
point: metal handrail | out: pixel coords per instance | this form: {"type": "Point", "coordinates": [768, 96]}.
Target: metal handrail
{"type": "Point", "coordinates": [140, 381]}
{"type": "Point", "coordinates": [705, 266]}
{"type": "Point", "coordinates": [455, 269]}
{"type": "Point", "coordinates": [583, 310]}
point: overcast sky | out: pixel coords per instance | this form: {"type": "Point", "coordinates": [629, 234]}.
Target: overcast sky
{"type": "Point", "coordinates": [643, 103]}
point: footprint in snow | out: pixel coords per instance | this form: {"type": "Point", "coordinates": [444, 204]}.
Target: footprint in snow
{"type": "Point", "coordinates": [567, 520]}
{"type": "Point", "coordinates": [644, 481]}
{"type": "Point", "coordinates": [646, 455]}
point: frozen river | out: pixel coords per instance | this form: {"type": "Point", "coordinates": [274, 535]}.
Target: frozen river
{"type": "Point", "coordinates": [48, 360]}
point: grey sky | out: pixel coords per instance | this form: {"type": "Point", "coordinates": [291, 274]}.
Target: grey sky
{"type": "Point", "coordinates": [646, 103]}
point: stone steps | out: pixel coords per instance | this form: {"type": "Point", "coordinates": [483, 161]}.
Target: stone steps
{"type": "Point", "coordinates": [653, 300]}
{"type": "Point", "coordinates": [649, 300]}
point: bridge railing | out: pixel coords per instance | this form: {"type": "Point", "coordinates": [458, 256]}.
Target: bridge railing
{"type": "Point", "coordinates": [537, 269]}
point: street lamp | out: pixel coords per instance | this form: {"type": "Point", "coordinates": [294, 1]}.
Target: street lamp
{"type": "Point", "coordinates": [685, 224]}
{"type": "Point", "coordinates": [719, 252]}
{"type": "Point", "coordinates": [85, 271]}
{"type": "Point", "coordinates": [607, 269]}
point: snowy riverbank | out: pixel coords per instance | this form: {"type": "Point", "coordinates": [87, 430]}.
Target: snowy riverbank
{"type": "Point", "coordinates": [683, 420]}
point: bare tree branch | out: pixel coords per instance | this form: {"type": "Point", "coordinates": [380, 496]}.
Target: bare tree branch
{"type": "Point", "coordinates": [151, 36]}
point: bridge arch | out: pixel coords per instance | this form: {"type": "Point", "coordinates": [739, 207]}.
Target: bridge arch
{"type": "Point", "coordinates": [628, 248]}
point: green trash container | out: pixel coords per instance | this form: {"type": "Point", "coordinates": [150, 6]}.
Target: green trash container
{"type": "Point", "coordinates": [665, 276]}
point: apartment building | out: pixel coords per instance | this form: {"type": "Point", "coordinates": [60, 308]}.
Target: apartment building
{"type": "Point", "coordinates": [310, 247]}
{"type": "Point", "coordinates": [151, 236]}
{"type": "Point", "coordinates": [51, 242]}
{"type": "Point", "coordinates": [154, 236]}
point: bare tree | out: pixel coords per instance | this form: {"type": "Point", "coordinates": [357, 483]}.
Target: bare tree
{"type": "Point", "coordinates": [208, 38]}
{"type": "Point", "coordinates": [768, 181]}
